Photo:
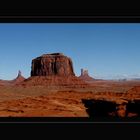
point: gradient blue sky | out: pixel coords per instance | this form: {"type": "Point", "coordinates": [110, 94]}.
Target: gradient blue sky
{"type": "Point", "coordinates": [106, 50]}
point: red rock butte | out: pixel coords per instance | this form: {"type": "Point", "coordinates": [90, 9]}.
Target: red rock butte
{"type": "Point", "coordinates": [85, 76]}
{"type": "Point", "coordinates": [53, 69]}
{"type": "Point", "coordinates": [51, 65]}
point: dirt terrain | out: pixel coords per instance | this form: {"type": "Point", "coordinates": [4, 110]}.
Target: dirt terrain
{"type": "Point", "coordinates": [62, 101]}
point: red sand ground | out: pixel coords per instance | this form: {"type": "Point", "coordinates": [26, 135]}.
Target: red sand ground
{"type": "Point", "coordinates": [62, 101]}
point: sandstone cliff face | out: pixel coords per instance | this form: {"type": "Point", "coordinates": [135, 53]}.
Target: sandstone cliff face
{"type": "Point", "coordinates": [52, 64]}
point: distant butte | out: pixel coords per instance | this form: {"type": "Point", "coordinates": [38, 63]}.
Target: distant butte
{"type": "Point", "coordinates": [85, 76]}
{"type": "Point", "coordinates": [19, 78]}
{"type": "Point", "coordinates": [15, 81]}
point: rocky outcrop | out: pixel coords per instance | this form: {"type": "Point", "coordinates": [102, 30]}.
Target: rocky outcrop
{"type": "Point", "coordinates": [52, 64]}
{"type": "Point", "coordinates": [15, 81]}
{"type": "Point", "coordinates": [104, 108]}
{"type": "Point", "coordinates": [53, 70]}
{"type": "Point", "coordinates": [19, 78]}
{"type": "Point", "coordinates": [85, 76]}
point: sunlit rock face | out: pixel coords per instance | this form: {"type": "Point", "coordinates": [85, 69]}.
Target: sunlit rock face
{"type": "Point", "coordinates": [52, 64]}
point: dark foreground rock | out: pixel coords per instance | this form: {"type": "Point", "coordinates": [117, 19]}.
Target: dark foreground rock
{"type": "Point", "coordinates": [104, 108]}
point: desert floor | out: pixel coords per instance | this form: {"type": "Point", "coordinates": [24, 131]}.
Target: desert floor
{"type": "Point", "coordinates": [62, 101]}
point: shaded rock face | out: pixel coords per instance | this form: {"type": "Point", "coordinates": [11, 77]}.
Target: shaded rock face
{"type": "Point", "coordinates": [102, 108]}
{"type": "Point", "coordinates": [52, 64]}
{"type": "Point", "coordinates": [98, 108]}
{"type": "Point", "coordinates": [84, 72]}
{"type": "Point", "coordinates": [134, 107]}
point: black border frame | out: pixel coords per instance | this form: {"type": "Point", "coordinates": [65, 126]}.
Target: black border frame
{"type": "Point", "coordinates": [70, 19]}
{"type": "Point", "coordinates": [58, 18]}
{"type": "Point", "coordinates": [53, 127]}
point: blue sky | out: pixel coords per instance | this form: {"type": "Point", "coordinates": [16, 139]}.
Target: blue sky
{"type": "Point", "coordinates": [107, 50]}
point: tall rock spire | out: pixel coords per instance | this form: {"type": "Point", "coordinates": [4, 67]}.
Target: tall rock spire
{"type": "Point", "coordinates": [19, 73]}
{"type": "Point", "coordinates": [85, 76]}
{"type": "Point", "coordinates": [19, 78]}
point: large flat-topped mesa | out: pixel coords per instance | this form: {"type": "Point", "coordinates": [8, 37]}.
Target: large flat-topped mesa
{"type": "Point", "coordinates": [52, 64]}
{"type": "Point", "coordinates": [53, 54]}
